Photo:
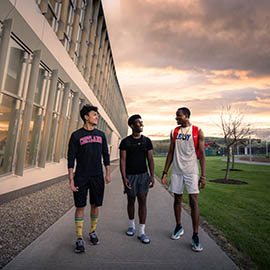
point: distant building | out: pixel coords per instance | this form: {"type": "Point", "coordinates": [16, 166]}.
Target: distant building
{"type": "Point", "coordinates": [55, 56]}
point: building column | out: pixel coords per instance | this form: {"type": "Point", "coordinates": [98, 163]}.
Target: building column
{"type": "Point", "coordinates": [43, 6]}
{"type": "Point", "coordinates": [95, 54]}
{"type": "Point", "coordinates": [80, 121]}
{"type": "Point", "coordinates": [102, 71]}
{"type": "Point", "coordinates": [74, 116]}
{"type": "Point", "coordinates": [75, 29]}
{"type": "Point", "coordinates": [27, 115]}
{"type": "Point", "coordinates": [4, 49]}
{"type": "Point", "coordinates": [106, 71]}
{"type": "Point", "coordinates": [99, 63]}
{"type": "Point", "coordinates": [63, 19]}
{"type": "Point", "coordinates": [85, 36]}
{"type": "Point", "coordinates": [92, 37]}
{"type": "Point", "coordinates": [62, 121]}
{"type": "Point", "coordinates": [48, 120]}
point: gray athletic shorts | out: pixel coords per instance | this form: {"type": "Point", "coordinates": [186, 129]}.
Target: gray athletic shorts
{"type": "Point", "coordinates": [139, 184]}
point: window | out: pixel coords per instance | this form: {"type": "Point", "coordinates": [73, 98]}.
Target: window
{"type": "Point", "coordinates": [16, 69]}
{"type": "Point", "coordinates": [52, 140]}
{"type": "Point", "coordinates": [35, 129]}
{"type": "Point", "coordinates": [9, 128]}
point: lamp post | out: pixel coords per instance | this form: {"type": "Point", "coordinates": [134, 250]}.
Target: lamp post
{"type": "Point", "coordinates": [250, 148]}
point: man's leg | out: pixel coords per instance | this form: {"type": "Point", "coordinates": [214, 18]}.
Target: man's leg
{"type": "Point", "coordinates": [177, 206]}
{"type": "Point", "coordinates": [94, 217]}
{"type": "Point", "coordinates": [131, 213]}
{"type": "Point", "coordinates": [193, 202]}
{"type": "Point", "coordinates": [79, 219]}
{"type": "Point", "coordinates": [142, 217]}
{"type": "Point", "coordinates": [96, 193]}
{"type": "Point", "coordinates": [142, 207]}
{"type": "Point", "coordinates": [131, 207]}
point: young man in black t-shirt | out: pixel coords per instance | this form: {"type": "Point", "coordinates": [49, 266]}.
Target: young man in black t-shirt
{"type": "Point", "coordinates": [134, 150]}
{"type": "Point", "coordinates": [88, 146]}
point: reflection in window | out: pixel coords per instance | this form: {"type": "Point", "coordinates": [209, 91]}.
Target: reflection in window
{"type": "Point", "coordinates": [17, 62]}
{"type": "Point", "coordinates": [41, 84]}
{"type": "Point", "coordinates": [35, 129]}
{"type": "Point", "coordinates": [9, 128]}
{"type": "Point", "coordinates": [53, 135]}
{"type": "Point", "coordinates": [58, 98]}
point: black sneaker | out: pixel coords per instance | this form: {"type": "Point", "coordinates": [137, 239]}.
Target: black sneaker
{"type": "Point", "coordinates": [93, 238]}
{"type": "Point", "coordinates": [178, 232]}
{"type": "Point", "coordinates": [196, 245]}
{"type": "Point", "coordinates": [79, 246]}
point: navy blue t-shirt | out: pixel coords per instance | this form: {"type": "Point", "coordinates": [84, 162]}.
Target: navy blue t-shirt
{"type": "Point", "coordinates": [136, 153]}
{"type": "Point", "coordinates": [88, 147]}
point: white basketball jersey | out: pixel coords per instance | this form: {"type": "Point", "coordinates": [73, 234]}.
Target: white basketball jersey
{"type": "Point", "coordinates": [185, 159]}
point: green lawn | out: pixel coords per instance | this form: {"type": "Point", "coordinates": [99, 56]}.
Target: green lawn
{"type": "Point", "coordinates": [241, 212]}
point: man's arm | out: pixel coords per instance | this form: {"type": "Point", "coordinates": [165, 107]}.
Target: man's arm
{"type": "Point", "coordinates": [106, 160]}
{"type": "Point", "coordinates": [108, 174]}
{"type": "Point", "coordinates": [168, 163]}
{"type": "Point", "coordinates": [151, 166]}
{"type": "Point", "coordinates": [123, 156]}
{"type": "Point", "coordinates": [72, 150]}
{"type": "Point", "coordinates": [202, 181]}
{"type": "Point", "coordinates": [71, 180]}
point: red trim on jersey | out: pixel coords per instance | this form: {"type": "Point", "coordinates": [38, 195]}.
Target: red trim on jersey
{"type": "Point", "coordinates": [195, 135]}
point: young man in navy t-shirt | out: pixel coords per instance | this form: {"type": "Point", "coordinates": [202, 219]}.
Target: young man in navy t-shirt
{"type": "Point", "coordinates": [88, 146]}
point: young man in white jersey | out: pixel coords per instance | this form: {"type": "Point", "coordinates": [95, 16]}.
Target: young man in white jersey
{"type": "Point", "coordinates": [186, 146]}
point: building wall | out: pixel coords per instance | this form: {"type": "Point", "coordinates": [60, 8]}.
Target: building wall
{"type": "Point", "coordinates": [55, 56]}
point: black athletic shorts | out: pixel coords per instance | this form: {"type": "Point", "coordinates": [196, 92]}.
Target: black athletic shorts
{"type": "Point", "coordinates": [139, 184]}
{"type": "Point", "coordinates": [95, 185]}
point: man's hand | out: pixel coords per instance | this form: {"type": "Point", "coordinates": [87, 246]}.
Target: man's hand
{"type": "Point", "coordinates": [202, 182]}
{"type": "Point", "coordinates": [126, 183]}
{"type": "Point", "coordinates": [152, 181]}
{"type": "Point", "coordinates": [72, 186]}
{"type": "Point", "coordinates": [107, 179]}
{"type": "Point", "coordinates": [164, 179]}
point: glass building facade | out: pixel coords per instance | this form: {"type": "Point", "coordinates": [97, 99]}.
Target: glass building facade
{"type": "Point", "coordinates": [40, 98]}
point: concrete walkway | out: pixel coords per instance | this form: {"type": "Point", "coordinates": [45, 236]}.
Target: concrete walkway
{"type": "Point", "coordinates": [54, 249]}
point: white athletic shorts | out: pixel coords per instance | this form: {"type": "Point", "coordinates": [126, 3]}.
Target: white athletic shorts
{"type": "Point", "coordinates": [179, 180]}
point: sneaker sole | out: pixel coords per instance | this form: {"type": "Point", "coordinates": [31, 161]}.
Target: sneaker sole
{"type": "Point", "coordinates": [79, 251]}
{"type": "Point", "coordinates": [130, 233]}
{"type": "Point", "coordinates": [94, 244]}
{"type": "Point", "coordinates": [146, 243]}
{"type": "Point", "coordinates": [196, 250]}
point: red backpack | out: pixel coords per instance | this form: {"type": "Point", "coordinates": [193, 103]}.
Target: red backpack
{"type": "Point", "coordinates": [195, 135]}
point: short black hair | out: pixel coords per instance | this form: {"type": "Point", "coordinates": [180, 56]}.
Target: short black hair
{"type": "Point", "coordinates": [86, 109]}
{"type": "Point", "coordinates": [132, 118]}
{"type": "Point", "coordinates": [185, 111]}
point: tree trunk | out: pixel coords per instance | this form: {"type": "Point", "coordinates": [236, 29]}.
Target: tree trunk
{"type": "Point", "coordinates": [233, 157]}
{"type": "Point", "coordinates": [228, 165]}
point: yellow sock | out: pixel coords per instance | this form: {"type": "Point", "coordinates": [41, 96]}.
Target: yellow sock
{"type": "Point", "coordinates": [79, 227]}
{"type": "Point", "coordinates": [94, 220]}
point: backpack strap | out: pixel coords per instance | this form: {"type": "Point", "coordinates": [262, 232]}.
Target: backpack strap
{"type": "Point", "coordinates": [195, 135]}
{"type": "Point", "coordinates": [175, 133]}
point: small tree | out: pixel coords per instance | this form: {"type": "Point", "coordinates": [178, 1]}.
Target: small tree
{"type": "Point", "coordinates": [234, 131]}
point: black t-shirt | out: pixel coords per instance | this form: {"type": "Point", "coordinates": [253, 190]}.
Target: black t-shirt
{"type": "Point", "coordinates": [136, 153]}
{"type": "Point", "coordinates": [88, 147]}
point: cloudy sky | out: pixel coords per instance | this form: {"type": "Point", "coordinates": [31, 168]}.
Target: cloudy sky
{"type": "Point", "coordinates": [202, 54]}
